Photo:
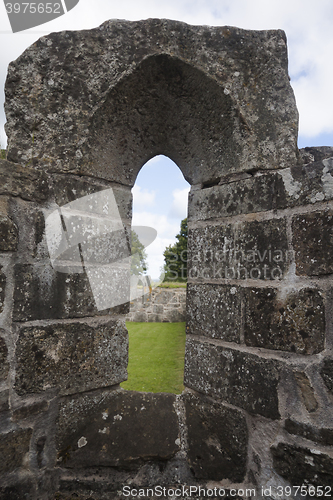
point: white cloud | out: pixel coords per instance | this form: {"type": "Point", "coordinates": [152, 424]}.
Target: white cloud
{"type": "Point", "coordinates": [142, 198]}
{"type": "Point", "coordinates": [166, 232]}
{"type": "Point", "coordinates": [178, 208]}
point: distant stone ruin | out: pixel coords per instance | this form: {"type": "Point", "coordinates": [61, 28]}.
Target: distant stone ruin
{"type": "Point", "coordinates": [85, 111]}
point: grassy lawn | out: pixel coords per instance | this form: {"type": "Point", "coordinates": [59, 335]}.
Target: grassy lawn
{"type": "Point", "coordinates": [156, 357]}
{"type": "Point", "coordinates": [172, 284]}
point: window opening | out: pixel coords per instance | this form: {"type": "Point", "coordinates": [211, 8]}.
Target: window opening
{"type": "Point", "coordinates": [156, 342]}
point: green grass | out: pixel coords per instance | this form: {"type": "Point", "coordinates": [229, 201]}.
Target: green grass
{"type": "Point", "coordinates": [3, 154]}
{"type": "Point", "coordinates": [173, 284]}
{"type": "Point", "coordinates": [156, 357]}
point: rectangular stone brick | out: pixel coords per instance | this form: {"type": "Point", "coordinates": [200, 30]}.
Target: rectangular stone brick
{"type": "Point", "coordinates": [217, 440]}
{"type": "Point", "coordinates": [67, 188]}
{"type": "Point", "coordinates": [290, 187]}
{"type": "Point", "coordinates": [304, 184]}
{"type": "Point", "coordinates": [214, 311]}
{"type": "Point", "coordinates": [295, 464]}
{"type": "Point", "coordinates": [74, 357]}
{"type": "Point", "coordinates": [312, 242]}
{"type": "Point", "coordinates": [26, 182]}
{"type": "Point", "coordinates": [116, 429]}
{"type": "Point", "coordinates": [243, 250]}
{"type": "Point", "coordinates": [293, 322]}
{"type": "Point", "coordinates": [254, 194]}
{"type": "Point", "coordinates": [242, 379]}
{"type": "Point", "coordinates": [40, 292]}
{"type": "Point", "coordinates": [319, 435]}
{"type": "Point", "coordinates": [8, 235]}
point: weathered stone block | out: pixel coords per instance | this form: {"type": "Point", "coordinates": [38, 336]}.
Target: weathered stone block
{"type": "Point", "coordinates": [217, 438]}
{"type": "Point", "coordinates": [290, 187]}
{"type": "Point", "coordinates": [255, 250]}
{"type": "Point", "coordinates": [29, 218]}
{"type": "Point", "coordinates": [42, 293]}
{"type": "Point", "coordinates": [116, 429]}
{"type": "Point", "coordinates": [304, 184]}
{"type": "Point", "coordinates": [4, 364]}
{"type": "Point", "coordinates": [13, 447]}
{"type": "Point", "coordinates": [297, 464]}
{"type": "Point", "coordinates": [319, 435]}
{"type": "Point", "coordinates": [73, 357]}
{"type": "Point", "coordinates": [315, 153]}
{"type": "Point", "coordinates": [67, 188]}
{"type": "Point", "coordinates": [238, 378]}
{"type": "Point", "coordinates": [214, 311]}
{"type": "Point", "coordinates": [8, 235]}
{"type": "Point", "coordinates": [203, 113]}
{"type": "Point", "coordinates": [327, 373]}
{"type": "Point", "coordinates": [246, 195]}
{"type": "Point", "coordinates": [25, 182]}
{"type": "Point", "coordinates": [292, 322]}
{"type": "Point", "coordinates": [313, 243]}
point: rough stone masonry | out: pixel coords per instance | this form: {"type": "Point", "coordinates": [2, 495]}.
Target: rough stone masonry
{"type": "Point", "coordinates": [85, 110]}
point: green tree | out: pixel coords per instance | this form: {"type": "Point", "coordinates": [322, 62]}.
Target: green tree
{"type": "Point", "coordinates": [139, 264]}
{"type": "Point", "coordinates": [175, 256]}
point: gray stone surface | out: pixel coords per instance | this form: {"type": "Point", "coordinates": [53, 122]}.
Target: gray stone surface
{"type": "Point", "coordinates": [290, 187]}
{"type": "Point", "coordinates": [198, 86]}
{"type": "Point", "coordinates": [25, 182]}
{"type": "Point", "coordinates": [243, 250]}
{"type": "Point", "coordinates": [3, 282]}
{"type": "Point", "coordinates": [239, 378]}
{"type": "Point", "coordinates": [214, 311]}
{"type": "Point", "coordinates": [319, 435]}
{"type": "Point", "coordinates": [67, 188]}
{"type": "Point", "coordinates": [317, 153]}
{"type": "Point", "coordinates": [13, 447]}
{"type": "Point", "coordinates": [41, 292]}
{"type": "Point", "coordinates": [312, 241]}
{"type": "Point", "coordinates": [4, 364]}
{"type": "Point", "coordinates": [116, 429]}
{"type": "Point", "coordinates": [292, 322]}
{"type": "Point", "coordinates": [29, 410]}
{"type": "Point", "coordinates": [217, 438]}
{"type": "Point", "coordinates": [73, 357]}
{"type": "Point", "coordinates": [327, 373]}
{"type": "Point", "coordinates": [307, 391]}
{"type": "Point", "coordinates": [8, 235]}
{"type": "Point", "coordinates": [4, 400]}
{"type": "Point", "coordinates": [246, 195]}
{"type": "Point", "coordinates": [296, 464]}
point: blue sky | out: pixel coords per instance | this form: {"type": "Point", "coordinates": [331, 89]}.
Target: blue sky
{"type": "Point", "coordinates": [160, 192]}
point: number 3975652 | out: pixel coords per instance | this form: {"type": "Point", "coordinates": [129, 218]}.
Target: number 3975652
{"type": "Point", "coordinates": [33, 8]}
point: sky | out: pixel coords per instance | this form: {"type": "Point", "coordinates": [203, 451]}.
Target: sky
{"type": "Point", "coordinates": [160, 192]}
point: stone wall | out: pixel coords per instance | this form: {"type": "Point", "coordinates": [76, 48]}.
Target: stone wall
{"type": "Point", "coordinates": [161, 305]}
{"type": "Point", "coordinates": [85, 110]}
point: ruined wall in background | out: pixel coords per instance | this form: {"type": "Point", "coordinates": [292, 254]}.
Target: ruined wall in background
{"type": "Point", "coordinates": [85, 111]}
{"type": "Point", "coordinates": [161, 305]}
